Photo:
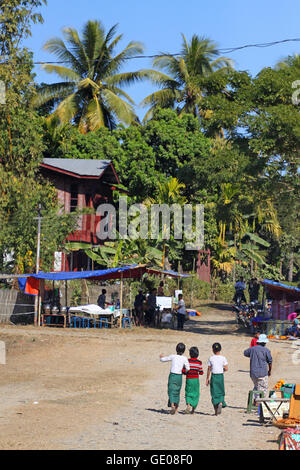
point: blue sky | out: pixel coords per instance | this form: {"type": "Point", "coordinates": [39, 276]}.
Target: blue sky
{"type": "Point", "coordinates": [159, 23]}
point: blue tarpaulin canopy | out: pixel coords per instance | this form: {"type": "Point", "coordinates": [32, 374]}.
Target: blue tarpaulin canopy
{"type": "Point", "coordinates": [113, 273]}
{"type": "Point", "coordinates": [135, 271]}
{"type": "Point", "coordinates": [279, 291]}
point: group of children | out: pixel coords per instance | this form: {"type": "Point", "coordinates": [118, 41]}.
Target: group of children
{"type": "Point", "coordinates": [192, 369]}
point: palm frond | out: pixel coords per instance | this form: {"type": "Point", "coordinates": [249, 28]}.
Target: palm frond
{"type": "Point", "coordinates": [64, 72]}
{"type": "Point", "coordinates": [57, 47]}
{"type": "Point", "coordinates": [119, 107]}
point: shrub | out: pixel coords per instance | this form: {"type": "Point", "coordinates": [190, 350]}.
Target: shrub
{"type": "Point", "coordinates": [196, 289]}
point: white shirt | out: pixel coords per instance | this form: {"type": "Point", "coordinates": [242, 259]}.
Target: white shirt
{"type": "Point", "coordinates": [177, 363]}
{"type": "Point", "coordinates": [217, 364]}
{"type": "Point", "coordinates": [181, 307]}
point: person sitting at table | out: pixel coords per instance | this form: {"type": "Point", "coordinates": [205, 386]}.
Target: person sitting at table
{"type": "Point", "coordinates": [102, 299]}
{"type": "Point", "coordinates": [294, 330]}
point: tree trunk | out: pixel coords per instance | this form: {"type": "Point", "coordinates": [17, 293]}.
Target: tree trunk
{"type": "Point", "coordinates": [280, 266]}
{"type": "Point", "coordinates": [291, 267]}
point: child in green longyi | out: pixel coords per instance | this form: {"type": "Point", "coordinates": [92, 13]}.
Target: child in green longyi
{"type": "Point", "coordinates": [217, 365]}
{"type": "Point", "coordinates": [192, 385]}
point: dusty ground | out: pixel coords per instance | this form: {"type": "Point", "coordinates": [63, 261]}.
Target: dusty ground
{"type": "Point", "coordinates": [107, 389]}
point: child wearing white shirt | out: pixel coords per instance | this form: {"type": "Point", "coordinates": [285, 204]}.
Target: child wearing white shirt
{"type": "Point", "coordinates": [178, 361]}
{"type": "Point", "coordinates": [217, 365]}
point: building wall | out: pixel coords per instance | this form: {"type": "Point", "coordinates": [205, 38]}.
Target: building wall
{"type": "Point", "coordinates": [91, 193]}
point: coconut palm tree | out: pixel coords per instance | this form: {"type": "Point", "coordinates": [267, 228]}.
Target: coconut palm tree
{"type": "Point", "coordinates": [90, 91]}
{"type": "Point", "coordinates": [181, 83]}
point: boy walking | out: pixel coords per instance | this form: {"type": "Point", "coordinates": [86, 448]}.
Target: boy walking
{"type": "Point", "coordinates": [217, 365]}
{"type": "Point", "coordinates": [192, 385]}
{"type": "Point", "coordinates": [178, 362]}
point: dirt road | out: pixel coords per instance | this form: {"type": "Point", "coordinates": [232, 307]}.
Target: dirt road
{"type": "Point", "coordinates": [107, 389]}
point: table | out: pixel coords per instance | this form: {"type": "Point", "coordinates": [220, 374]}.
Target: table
{"type": "Point", "coordinates": [54, 315]}
{"type": "Point", "coordinates": [267, 402]}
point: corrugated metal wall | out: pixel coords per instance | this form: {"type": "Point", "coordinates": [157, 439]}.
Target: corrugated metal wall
{"type": "Point", "coordinates": [16, 307]}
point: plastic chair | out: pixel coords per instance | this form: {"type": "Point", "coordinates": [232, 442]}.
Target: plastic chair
{"type": "Point", "coordinates": [73, 322]}
{"type": "Point", "coordinates": [86, 322]}
{"type": "Point", "coordinates": [105, 320]}
{"type": "Point", "coordinates": [124, 320]}
{"type": "Point", "coordinates": [251, 395]}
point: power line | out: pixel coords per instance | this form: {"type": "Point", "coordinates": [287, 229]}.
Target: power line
{"type": "Point", "coordinates": [227, 50]}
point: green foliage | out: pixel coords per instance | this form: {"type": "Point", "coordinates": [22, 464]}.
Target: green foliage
{"type": "Point", "coordinates": [20, 129]}
{"type": "Point", "coordinates": [16, 17]}
{"type": "Point", "coordinates": [223, 292]}
{"type": "Point", "coordinates": [21, 196]}
{"type": "Point", "coordinates": [230, 141]}
{"type": "Point", "coordinates": [21, 150]}
{"type": "Point", "coordinates": [194, 290]}
{"type": "Point", "coordinates": [90, 92]}
{"type": "Point", "coordinates": [181, 82]}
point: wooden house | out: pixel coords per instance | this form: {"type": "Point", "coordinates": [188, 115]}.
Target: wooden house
{"type": "Point", "coordinates": [80, 184]}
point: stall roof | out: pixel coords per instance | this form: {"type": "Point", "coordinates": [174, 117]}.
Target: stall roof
{"type": "Point", "coordinates": [280, 291]}
{"type": "Point", "coordinates": [166, 273]}
{"type": "Point", "coordinates": [133, 271]}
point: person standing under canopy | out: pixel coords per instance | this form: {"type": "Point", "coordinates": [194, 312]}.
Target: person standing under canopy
{"type": "Point", "coordinates": [102, 299]}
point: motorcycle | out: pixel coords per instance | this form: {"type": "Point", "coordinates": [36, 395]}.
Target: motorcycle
{"type": "Point", "coordinates": [244, 314]}
{"type": "Point", "coordinates": [239, 316]}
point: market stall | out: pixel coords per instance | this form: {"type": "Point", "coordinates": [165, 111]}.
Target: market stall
{"type": "Point", "coordinates": [34, 284]}
{"type": "Point", "coordinates": [280, 301]}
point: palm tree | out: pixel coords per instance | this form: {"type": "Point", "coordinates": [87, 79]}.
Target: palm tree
{"type": "Point", "coordinates": [90, 93]}
{"type": "Point", "coordinates": [181, 84]}
{"type": "Point", "coordinates": [169, 193]}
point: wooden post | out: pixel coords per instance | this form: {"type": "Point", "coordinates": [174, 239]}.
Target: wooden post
{"type": "Point", "coordinates": [121, 300]}
{"type": "Point", "coordinates": [39, 309]}
{"type": "Point", "coordinates": [192, 286]}
{"type": "Point", "coordinates": [66, 293]}
{"type": "Point", "coordinates": [37, 298]}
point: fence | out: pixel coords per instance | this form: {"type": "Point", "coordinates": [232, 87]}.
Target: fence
{"type": "Point", "coordinates": [16, 307]}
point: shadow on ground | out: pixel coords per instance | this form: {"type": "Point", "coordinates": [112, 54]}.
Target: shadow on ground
{"type": "Point", "coordinates": [215, 328]}
{"type": "Point", "coordinates": [207, 325]}
{"type": "Point", "coordinates": [217, 306]}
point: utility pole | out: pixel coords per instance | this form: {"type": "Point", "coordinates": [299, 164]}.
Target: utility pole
{"type": "Point", "coordinates": [38, 250]}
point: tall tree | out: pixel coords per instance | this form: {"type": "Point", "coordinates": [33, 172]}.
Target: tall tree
{"type": "Point", "coordinates": [21, 150]}
{"type": "Point", "coordinates": [20, 129]}
{"type": "Point", "coordinates": [91, 91]}
{"type": "Point", "coordinates": [182, 83]}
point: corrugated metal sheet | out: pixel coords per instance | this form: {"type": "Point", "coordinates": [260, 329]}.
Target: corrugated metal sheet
{"type": "Point", "coordinates": [80, 167]}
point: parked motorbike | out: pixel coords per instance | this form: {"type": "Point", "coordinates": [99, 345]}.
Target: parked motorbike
{"type": "Point", "coordinates": [244, 314]}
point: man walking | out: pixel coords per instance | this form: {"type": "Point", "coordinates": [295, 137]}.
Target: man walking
{"type": "Point", "coordinates": [260, 364]}
{"type": "Point", "coordinates": [239, 295]}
